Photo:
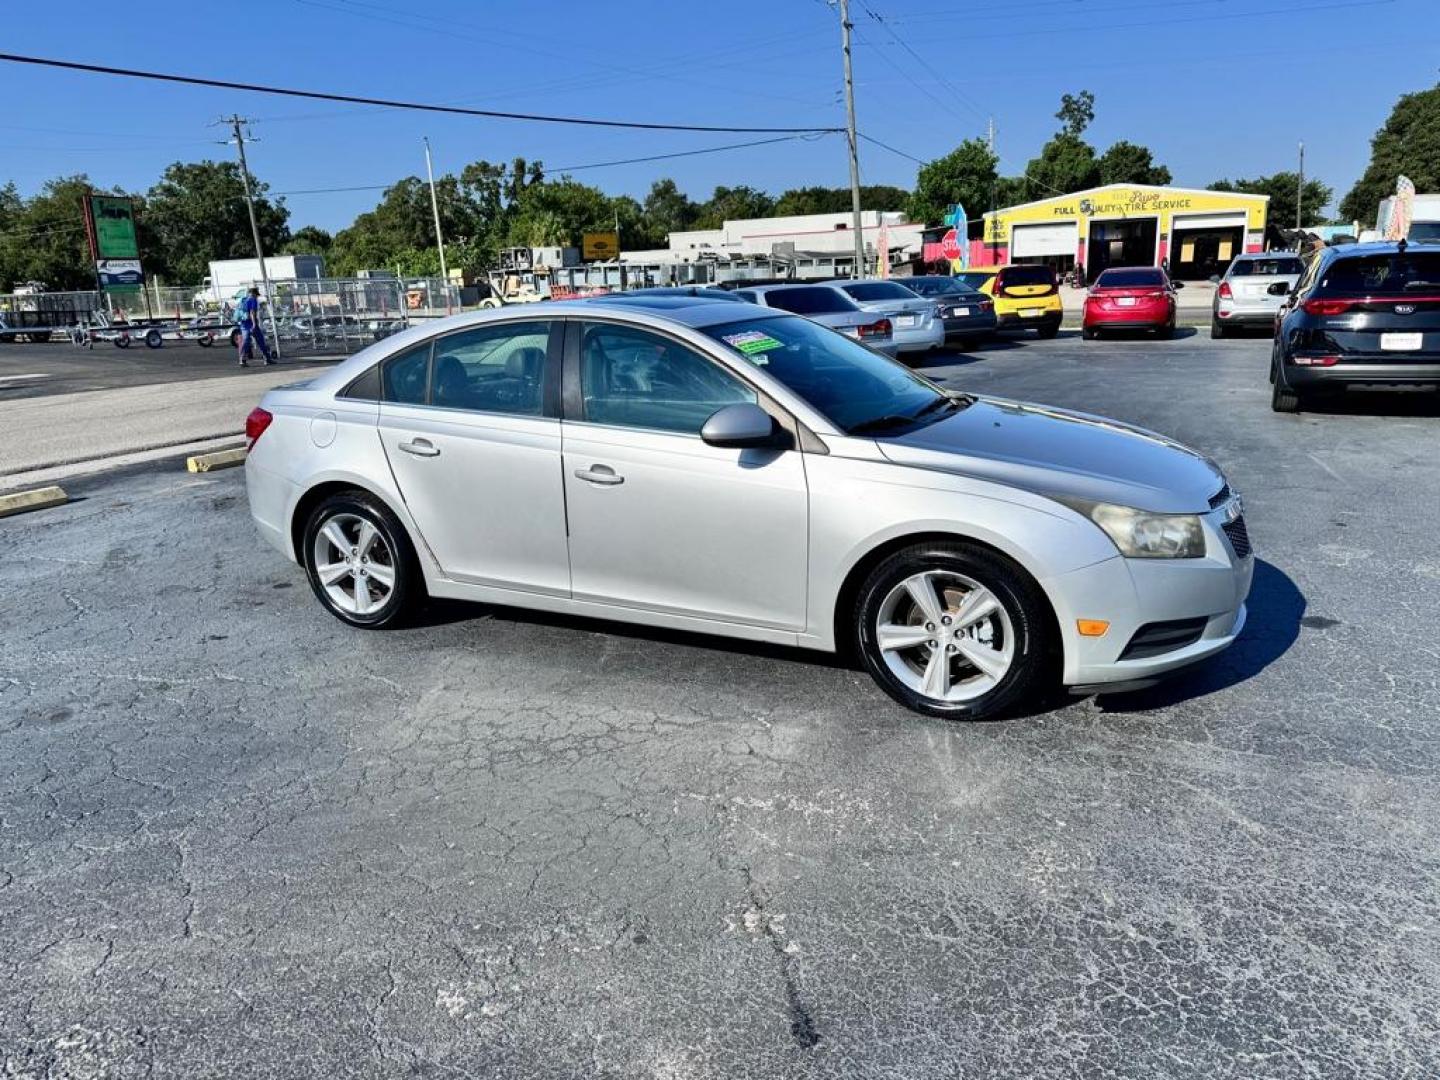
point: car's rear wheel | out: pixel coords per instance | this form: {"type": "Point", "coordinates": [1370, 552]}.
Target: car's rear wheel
{"type": "Point", "coordinates": [1089, 333]}
{"type": "Point", "coordinates": [1049, 330]}
{"type": "Point", "coordinates": [361, 564]}
{"type": "Point", "coordinates": [1282, 398]}
{"type": "Point", "coordinates": [954, 631]}
{"type": "Point", "coordinates": [1217, 329]}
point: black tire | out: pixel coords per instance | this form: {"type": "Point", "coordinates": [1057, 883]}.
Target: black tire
{"type": "Point", "coordinates": [1031, 669]}
{"type": "Point", "coordinates": [409, 588]}
{"type": "Point", "coordinates": [1282, 398]}
{"type": "Point", "coordinates": [1089, 333]}
{"type": "Point", "coordinates": [153, 340]}
{"type": "Point", "coordinates": [1217, 331]}
{"type": "Point", "coordinates": [205, 340]}
{"type": "Point", "coordinates": [1049, 330]}
{"type": "Point", "coordinates": [123, 341]}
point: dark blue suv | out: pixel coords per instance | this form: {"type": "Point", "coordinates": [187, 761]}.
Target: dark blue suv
{"type": "Point", "coordinates": [1363, 316]}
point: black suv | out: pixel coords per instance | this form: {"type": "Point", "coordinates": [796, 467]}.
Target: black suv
{"type": "Point", "coordinates": [1362, 315]}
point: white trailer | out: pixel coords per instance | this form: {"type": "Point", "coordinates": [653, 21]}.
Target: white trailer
{"type": "Point", "coordinates": [229, 278]}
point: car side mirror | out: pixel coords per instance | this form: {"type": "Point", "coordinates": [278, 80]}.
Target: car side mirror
{"type": "Point", "coordinates": [742, 426]}
{"type": "Point", "coordinates": [1279, 288]}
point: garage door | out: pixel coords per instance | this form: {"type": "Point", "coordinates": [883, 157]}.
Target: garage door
{"type": "Point", "coordinates": [1043, 239]}
{"type": "Point", "coordinates": [1208, 221]}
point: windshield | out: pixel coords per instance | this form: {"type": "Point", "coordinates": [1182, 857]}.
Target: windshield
{"type": "Point", "coordinates": [810, 300]}
{"type": "Point", "coordinates": [1266, 267]}
{"type": "Point", "coordinates": [1383, 274]}
{"type": "Point", "coordinates": [849, 384]}
{"type": "Point", "coordinates": [878, 290]}
{"type": "Point", "coordinates": [1127, 279]}
{"type": "Point", "coordinates": [936, 286]}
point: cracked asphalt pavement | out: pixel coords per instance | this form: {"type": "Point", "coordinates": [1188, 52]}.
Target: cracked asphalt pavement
{"type": "Point", "coordinates": [239, 839]}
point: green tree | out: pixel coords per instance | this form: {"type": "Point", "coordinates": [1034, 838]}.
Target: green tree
{"type": "Point", "coordinates": [1012, 190]}
{"type": "Point", "coordinates": [965, 175]}
{"type": "Point", "coordinates": [1066, 163]}
{"type": "Point", "coordinates": [558, 212]}
{"type": "Point", "coordinates": [309, 240]}
{"type": "Point", "coordinates": [733, 204]}
{"type": "Point", "coordinates": [1127, 163]}
{"type": "Point", "coordinates": [403, 223]}
{"type": "Point", "coordinates": [1408, 145]}
{"type": "Point", "coordinates": [43, 238]}
{"type": "Point", "coordinates": [196, 213]}
{"type": "Point", "coordinates": [667, 209]}
{"type": "Point", "coordinates": [836, 200]}
{"type": "Point", "coordinates": [1281, 189]}
{"type": "Point", "coordinates": [1077, 112]}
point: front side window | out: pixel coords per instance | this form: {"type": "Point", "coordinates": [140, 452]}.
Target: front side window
{"type": "Point", "coordinates": [406, 377]}
{"type": "Point", "coordinates": [496, 368]}
{"type": "Point", "coordinates": [857, 389]}
{"type": "Point", "coordinates": [633, 378]}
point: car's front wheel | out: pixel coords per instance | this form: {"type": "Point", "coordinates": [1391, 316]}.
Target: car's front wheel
{"type": "Point", "coordinates": [360, 562]}
{"type": "Point", "coordinates": [953, 630]}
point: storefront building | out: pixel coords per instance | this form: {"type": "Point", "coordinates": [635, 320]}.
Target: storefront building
{"type": "Point", "coordinates": [1195, 233]}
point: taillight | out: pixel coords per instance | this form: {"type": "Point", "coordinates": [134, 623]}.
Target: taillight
{"type": "Point", "coordinates": [1315, 361]}
{"type": "Point", "coordinates": [255, 425]}
{"type": "Point", "coordinates": [876, 329]}
{"type": "Point", "coordinates": [1224, 291]}
{"type": "Point", "coordinates": [1328, 307]}
{"type": "Point", "coordinates": [985, 304]}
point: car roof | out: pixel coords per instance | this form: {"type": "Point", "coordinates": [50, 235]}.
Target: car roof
{"type": "Point", "coordinates": [693, 311]}
{"type": "Point", "coordinates": [700, 291]}
{"type": "Point", "coordinates": [1380, 247]}
{"type": "Point", "coordinates": [792, 285]}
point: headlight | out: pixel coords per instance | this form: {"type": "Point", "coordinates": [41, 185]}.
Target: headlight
{"type": "Point", "coordinates": [1139, 534]}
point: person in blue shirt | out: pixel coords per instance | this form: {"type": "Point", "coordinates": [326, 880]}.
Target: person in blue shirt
{"type": "Point", "coordinates": [250, 329]}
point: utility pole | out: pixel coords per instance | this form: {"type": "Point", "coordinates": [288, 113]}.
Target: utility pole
{"type": "Point", "coordinates": [990, 135]}
{"type": "Point", "coordinates": [439, 237]}
{"type": "Point", "coordinates": [237, 126]}
{"type": "Point", "coordinates": [1300, 187]}
{"type": "Point", "coordinates": [859, 227]}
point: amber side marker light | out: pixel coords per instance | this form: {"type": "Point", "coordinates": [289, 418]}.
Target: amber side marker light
{"type": "Point", "coordinates": [1091, 627]}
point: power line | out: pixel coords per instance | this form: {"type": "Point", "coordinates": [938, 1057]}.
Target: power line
{"type": "Point", "coordinates": [887, 146]}
{"type": "Point", "coordinates": [920, 59]}
{"type": "Point", "coordinates": [257, 88]}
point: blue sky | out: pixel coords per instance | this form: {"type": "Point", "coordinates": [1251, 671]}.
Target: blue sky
{"type": "Point", "coordinates": [1214, 87]}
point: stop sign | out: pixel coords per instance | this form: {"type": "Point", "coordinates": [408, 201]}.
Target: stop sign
{"type": "Point", "coordinates": [950, 245]}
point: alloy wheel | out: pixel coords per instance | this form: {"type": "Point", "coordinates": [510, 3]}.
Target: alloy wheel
{"type": "Point", "coordinates": [354, 564]}
{"type": "Point", "coordinates": [945, 636]}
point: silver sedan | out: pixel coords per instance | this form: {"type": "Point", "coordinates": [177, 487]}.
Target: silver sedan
{"type": "Point", "coordinates": [918, 323]}
{"type": "Point", "coordinates": [728, 469]}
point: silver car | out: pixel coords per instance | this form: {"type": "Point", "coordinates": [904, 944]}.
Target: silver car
{"type": "Point", "coordinates": [830, 307]}
{"type": "Point", "coordinates": [1243, 297]}
{"type": "Point", "coordinates": [728, 469]}
{"type": "Point", "coordinates": [917, 323]}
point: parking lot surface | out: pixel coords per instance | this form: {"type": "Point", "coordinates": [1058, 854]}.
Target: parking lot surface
{"type": "Point", "coordinates": [237, 838]}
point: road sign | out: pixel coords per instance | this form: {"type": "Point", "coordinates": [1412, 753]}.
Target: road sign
{"type": "Point", "coordinates": [950, 245]}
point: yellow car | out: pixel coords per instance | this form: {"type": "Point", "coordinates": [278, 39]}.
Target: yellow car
{"type": "Point", "coordinates": [1025, 296]}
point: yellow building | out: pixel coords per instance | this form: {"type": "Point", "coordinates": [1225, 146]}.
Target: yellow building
{"type": "Point", "coordinates": [1196, 233]}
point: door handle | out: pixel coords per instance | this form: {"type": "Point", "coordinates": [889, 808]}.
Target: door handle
{"type": "Point", "coordinates": [600, 474]}
{"type": "Point", "coordinates": [420, 448]}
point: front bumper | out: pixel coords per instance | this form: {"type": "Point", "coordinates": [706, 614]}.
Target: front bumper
{"type": "Point", "coordinates": [1135, 594]}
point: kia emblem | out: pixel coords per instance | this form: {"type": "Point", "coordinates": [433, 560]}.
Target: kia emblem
{"type": "Point", "coordinates": [1404, 309]}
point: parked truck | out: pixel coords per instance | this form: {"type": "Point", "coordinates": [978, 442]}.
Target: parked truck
{"type": "Point", "coordinates": [1424, 222]}
{"type": "Point", "coordinates": [229, 278]}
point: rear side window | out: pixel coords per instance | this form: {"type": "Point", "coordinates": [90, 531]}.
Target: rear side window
{"type": "Point", "coordinates": [1384, 275]}
{"type": "Point", "coordinates": [1012, 276]}
{"type": "Point", "coordinates": [813, 301]}
{"type": "Point", "coordinates": [878, 290]}
{"type": "Point", "coordinates": [1266, 267]}
{"type": "Point", "coordinates": [406, 378]}
{"type": "Point", "coordinates": [1127, 279]}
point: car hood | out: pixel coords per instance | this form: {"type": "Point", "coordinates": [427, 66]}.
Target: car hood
{"type": "Point", "coordinates": [1056, 452]}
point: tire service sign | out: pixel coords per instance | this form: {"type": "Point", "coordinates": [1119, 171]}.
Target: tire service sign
{"type": "Point", "coordinates": [110, 227]}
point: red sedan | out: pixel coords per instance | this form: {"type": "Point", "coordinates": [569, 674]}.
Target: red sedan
{"type": "Point", "coordinates": [1132, 298]}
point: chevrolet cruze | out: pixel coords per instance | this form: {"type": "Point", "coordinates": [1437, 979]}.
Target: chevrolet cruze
{"type": "Point", "coordinates": [737, 470]}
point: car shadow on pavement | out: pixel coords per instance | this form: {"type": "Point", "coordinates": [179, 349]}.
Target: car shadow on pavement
{"type": "Point", "coordinates": [1418, 403]}
{"type": "Point", "coordinates": [1146, 335]}
{"type": "Point", "coordinates": [1276, 610]}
